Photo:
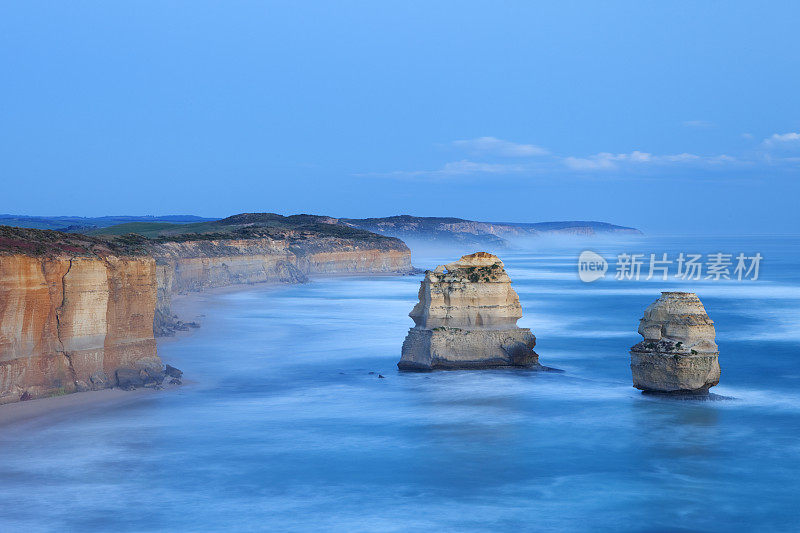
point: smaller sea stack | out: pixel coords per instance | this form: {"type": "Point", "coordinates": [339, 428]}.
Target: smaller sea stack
{"type": "Point", "coordinates": [467, 318]}
{"type": "Point", "coordinates": [678, 354]}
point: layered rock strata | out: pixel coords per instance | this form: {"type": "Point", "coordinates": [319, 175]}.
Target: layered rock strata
{"type": "Point", "coordinates": [679, 353]}
{"type": "Point", "coordinates": [192, 266]}
{"type": "Point", "coordinates": [80, 312]}
{"type": "Point", "coordinates": [466, 318]}
{"type": "Point", "coordinates": [71, 317]}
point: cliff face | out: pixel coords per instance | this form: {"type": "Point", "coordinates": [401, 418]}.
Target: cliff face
{"type": "Point", "coordinates": [679, 353]}
{"type": "Point", "coordinates": [191, 266]}
{"type": "Point", "coordinates": [466, 318]}
{"type": "Point", "coordinates": [79, 312]}
{"type": "Point", "coordinates": [70, 322]}
{"type": "Point", "coordinates": [355, 260]}
{"type": "Point", "coordinates": [204, 264]}
{"type": "Point", "coordinates": [199, 265]}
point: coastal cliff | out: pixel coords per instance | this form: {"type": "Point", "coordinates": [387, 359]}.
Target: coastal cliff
{"type": "Point", "coordinates": [73, 311]}
{"type": "Point", "coordinates": [79, 312]}
{"type": "Point", "coordinates": [466, 317]}
{"type": "Point", "coordinates": [203, 264]}
{"type": "Point", "coordinates": [196, 266]}
{"type": "Point", "coordinates": [263, 247]}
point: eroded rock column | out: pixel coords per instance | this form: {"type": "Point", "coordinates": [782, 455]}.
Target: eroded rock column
{"type": "Point", "coordinates": [679, 353]}
{"type": "Point", "coordinates": [467, 318]}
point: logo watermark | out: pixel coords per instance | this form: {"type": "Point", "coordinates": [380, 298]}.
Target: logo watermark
{"type": "Point", "coordinates": [685, 266]}
{"type": "Point", "coordinates": [591, 266]}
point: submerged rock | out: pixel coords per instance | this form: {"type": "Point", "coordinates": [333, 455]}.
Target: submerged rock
{"type": "Point", "coordinates": [467, 318]}
{"type": "Point", "coordinates": [147, 373]}
{"type": "Point", "coordinates": [173, 372]}
{"type": "Point", "coordinates": [679, 353]}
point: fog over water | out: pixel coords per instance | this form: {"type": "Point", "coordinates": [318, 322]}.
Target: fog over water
{"type": "Point", "coordinates": [283, 426]}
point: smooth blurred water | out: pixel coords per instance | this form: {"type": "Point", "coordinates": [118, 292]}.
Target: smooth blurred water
{"type": "Point", "coordinates": [285, 428]}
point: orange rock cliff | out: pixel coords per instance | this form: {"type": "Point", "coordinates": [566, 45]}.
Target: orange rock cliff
{"type": "Point", "coordinates": [75, 310]}
{"type": "Point", "coordinates": [71, 316]}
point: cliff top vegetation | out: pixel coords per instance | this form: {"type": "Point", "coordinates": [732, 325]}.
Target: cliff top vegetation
{"type": "Point", "coordinates": [137, 238]}
{"type": "Point", "coordinates": [39, 242]}
{"type": "Point", "coordinates": [294, 229]}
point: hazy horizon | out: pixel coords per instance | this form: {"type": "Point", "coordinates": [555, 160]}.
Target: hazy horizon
{"type": "Point", "coordinates": [643, 230]}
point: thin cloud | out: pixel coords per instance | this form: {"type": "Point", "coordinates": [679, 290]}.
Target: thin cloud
{"type": "Point", "coordinates": [499, 147]}
{"type": "Point", "coordinates": [452, 169]}
{"type": "Point", "coordinates": [609, 161]}
{"type": "Point", "coordinates": [598, 162]}
{"type": "Point", "coordinates": [471, 167]}
{"type": "Point", "coordinates": [697, 124]}
{"type": "Point", "coordinates": [782, 140]}
{"type": "Point", "coordinates": [492, 149]}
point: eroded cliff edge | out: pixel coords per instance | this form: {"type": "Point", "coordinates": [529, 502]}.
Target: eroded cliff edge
{"type": "Point", "coordinates": [76, 309]}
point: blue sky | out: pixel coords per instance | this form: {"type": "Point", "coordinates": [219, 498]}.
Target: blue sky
{"type": "Point", "coordinates": [669, 116]}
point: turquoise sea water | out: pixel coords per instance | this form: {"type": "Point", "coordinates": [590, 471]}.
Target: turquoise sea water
{"type": "Point", "coordinates": [285, 428]}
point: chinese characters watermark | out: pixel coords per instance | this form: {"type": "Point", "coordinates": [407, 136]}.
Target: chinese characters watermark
{"type": "Point", "coordinates": [634, 267]}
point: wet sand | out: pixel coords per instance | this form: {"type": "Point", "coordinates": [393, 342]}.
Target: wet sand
{"type": "Point", "coordinates": [47, 411]}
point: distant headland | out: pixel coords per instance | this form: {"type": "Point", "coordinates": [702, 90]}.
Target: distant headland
{"type": "Point", "coordinates": [444, 230]}
{"type": "Point", "coordinates": [470, 232]}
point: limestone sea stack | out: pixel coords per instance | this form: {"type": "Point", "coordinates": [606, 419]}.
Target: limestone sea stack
{"type": "Point", "coordinates": [679, 353]}
{"type": "Point", "coordinates": [467, 318]}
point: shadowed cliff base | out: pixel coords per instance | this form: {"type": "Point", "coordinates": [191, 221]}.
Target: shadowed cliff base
{"type": "Point", "coordinates": [497, 364]}
{"type": "Point", "coordinates": [688, 395]}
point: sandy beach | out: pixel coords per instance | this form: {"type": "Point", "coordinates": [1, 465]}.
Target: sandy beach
{"type": "Point", "coordinates": [46, 411]}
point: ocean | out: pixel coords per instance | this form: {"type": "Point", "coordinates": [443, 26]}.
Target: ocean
{"type": "Point", "coordinates": [285, 423]}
